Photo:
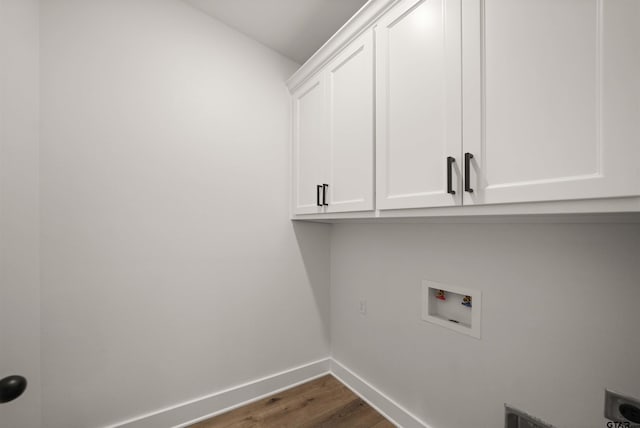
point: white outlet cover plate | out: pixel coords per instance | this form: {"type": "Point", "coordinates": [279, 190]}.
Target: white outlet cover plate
{"type": "Point", "coordinates": [476, 310]}
{"type": "Point", "coordinates": [363, 307]}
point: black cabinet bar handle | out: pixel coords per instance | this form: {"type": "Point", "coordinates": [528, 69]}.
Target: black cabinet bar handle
{"type": "Point", "coordinates": [324, 194]}
{"type": "Point", "coordinates": [318, 187]}
{"type": "Point", "coordinates": [450, 162]}
{"type": "Point", "coordinates": [467, 172]}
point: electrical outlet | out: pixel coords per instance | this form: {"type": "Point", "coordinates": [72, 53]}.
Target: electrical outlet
{"type": "Point", "coordinates": [621, 408]}
{"type": "Point", "coordinates": [363, 307]}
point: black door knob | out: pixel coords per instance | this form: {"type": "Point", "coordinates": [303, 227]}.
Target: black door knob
{"type": "Point", "coordinates": [12, 387]}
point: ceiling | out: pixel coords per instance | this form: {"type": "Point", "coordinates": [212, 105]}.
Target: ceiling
{"type": "Point", "coordinates": [295, 28]}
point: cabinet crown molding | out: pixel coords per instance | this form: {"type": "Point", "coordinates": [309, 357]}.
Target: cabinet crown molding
{"type": "Point", "coordinates": [356, 25]}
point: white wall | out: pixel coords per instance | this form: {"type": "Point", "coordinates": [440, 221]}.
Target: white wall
{"type": "Point", "coordinates": [19, 285]}
{"type": "Point", "coordinates": [560, 318]}
{"type": "Point", "coordinates": [170, 269]}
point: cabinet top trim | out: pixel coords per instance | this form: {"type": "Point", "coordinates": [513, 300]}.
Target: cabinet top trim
{"type": "Point", "coordinates": [356, 25]}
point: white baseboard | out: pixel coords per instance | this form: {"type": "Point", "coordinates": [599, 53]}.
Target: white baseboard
{"type": "Point", "coordinates": [190, 412]}
{"type": "Point", "coordinates": [383, 404]}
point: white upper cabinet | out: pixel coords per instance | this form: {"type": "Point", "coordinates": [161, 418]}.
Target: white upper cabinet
{"type": "Point", "coordinates": [310, 146]}
{"type": "Point", "coordinates": [351, 113]}
{"type": "Point", "coordinates": [512, 106]}
{"type": "Point", "coordinates": [333, 134]}
{"type": "Point", "coordinates": [551, 99]}
{"type": "Point", "coordinates": [418, 105]}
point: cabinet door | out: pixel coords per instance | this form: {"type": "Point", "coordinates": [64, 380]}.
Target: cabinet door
{"type": "Point", "coordinates": [418, 104]}
{"type": "Point", "coordinates": [551, 99]}
{"type": "Point", "coordinates": [310, 148]}
{"type": "Point", "coordinates": [350, 109]}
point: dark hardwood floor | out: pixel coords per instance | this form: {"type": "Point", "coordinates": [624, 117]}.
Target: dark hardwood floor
{"type": "Point", "coordinates": [324, 402]}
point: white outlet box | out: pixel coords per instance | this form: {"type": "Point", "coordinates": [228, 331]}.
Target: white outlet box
{"type": "Point", "coordinates": [449, 311]}
{"type": "Point", "coordinates": [363, 307]}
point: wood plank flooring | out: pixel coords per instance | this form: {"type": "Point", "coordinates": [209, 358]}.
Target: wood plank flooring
{"type": "Point", "coordinates": [324, 402]}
